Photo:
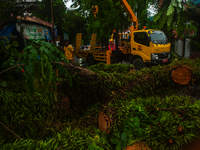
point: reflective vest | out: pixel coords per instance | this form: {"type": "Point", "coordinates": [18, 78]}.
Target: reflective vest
{"type": "Point", "coordinates": [112, 48]}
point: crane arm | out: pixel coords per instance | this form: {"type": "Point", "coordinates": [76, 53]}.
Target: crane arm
{"type": "Point", "coordinates": [131, 14]}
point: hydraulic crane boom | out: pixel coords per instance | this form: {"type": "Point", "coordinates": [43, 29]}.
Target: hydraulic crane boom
{"type": "Point", "coordinates": [131, 14]}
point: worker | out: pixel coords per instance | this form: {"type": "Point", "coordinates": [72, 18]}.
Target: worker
{"type": "Point", "coordinates": [112, 47]}
{"type": "Point", "coordinates": [69, 51]}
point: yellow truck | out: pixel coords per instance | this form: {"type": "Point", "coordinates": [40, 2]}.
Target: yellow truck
{"type": "Point", "coordinates": [140, 47]}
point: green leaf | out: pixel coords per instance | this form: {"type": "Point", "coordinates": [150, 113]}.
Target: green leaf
{"type": "Point", "coordinates": [158, 15]}
{"type": "Point", "coordinates": [124, 137]}
{"type": "Point", "coordinates": [129, 140]}
{"type": "Point", "coordinates": [36, 41]}
{"type": "Point", "coordinates": [137, 124]}
{"type": "Point", "coordinates": [178, 10]}
{"type": "Point", "coordinates": [114, 141]}
{"type": "Point", "coordinates": [66, 73]}
{"type": "Point", "coordinates": [174, 3]}
{"type": "Point", "coordinates": [15, 44]}
{"type": "Point", "coordinates": [170, 19]}
{"type": "Point", "coordinates": [29, 47]}
{"type": "Point", "coordinates": [118, 147]}
{"type": "Point", "coordinates": [180, 5]}
{"type": "Point", "coordinates": [14, 51]}
{"type": "Point", "coordinates": [59, 136]}
{"type": "Point", "coordinates": [91, 146]}
{"type": "Point", "coordinates": [70, 80]}
{"type": "Point", "coordinates": [140, 108]}
{"type": "Point", "coordinates": [139, 132]}
{"type": "Point", "coordinates": [163, 19]}
{"type": "Point", "coordinates": [131, 124]}
{"type": "Point", "coordinates": [131, 119]}
{"type": "Point", "coordinates": [34, 51]}
{"type": "Point", "coordinates": [136, 119]}
{"type": "Point", "coordinates": [3, 84]}
{"type": "Point", "coordinates": [42, 48]}
{"type": "Point", "coordinates": [117, 134]}
{"type": "Point", "coordinates": [170, 10]}
{"type": "Point", "coordinates": [179, 1]}
{"type": "Point", "coordinates": [33, 56]}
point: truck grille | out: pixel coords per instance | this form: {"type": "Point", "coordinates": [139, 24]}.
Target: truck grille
{"type": "Point", "coordinates": [162, 55]}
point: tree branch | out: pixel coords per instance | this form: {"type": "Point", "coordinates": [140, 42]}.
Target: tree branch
{"type": "Point", "coordinates": [10, 131]}
{"type": "Point", "coordinates": [17, 14]}
{"type": "Point", "coordinates": [76, 70]}
{"type": "Point", "coordinates": [8, 8]}
{"type": "Point", "coordinates": [11, 68]}
{"type": "Point", "coordinates": [19, 58]}
{"type": "Point", "coordinates": [168, 109]}
{"type": "Point", "coordinates": [2, 58]}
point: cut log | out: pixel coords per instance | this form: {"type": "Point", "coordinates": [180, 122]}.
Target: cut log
{"type": "Point", "coordinates": [138, 146]}
{"type": "Point", "coordinates": [104, 122]}
{"type": "Point", "coordinates": [181, 74]}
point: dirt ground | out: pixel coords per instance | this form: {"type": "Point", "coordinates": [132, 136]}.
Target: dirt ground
{"type": "Point", "coordinates": [195, 55]}
{"type": "Point", "coordinates": [193, 146]}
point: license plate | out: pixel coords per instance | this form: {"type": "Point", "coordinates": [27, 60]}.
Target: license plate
{"type": "Point", "coordinates": [165, 60]}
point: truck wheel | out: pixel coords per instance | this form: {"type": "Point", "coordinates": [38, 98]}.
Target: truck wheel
{"type": "Point", "coordinates": [91, 60]}
{"type": "Point", "coordinates": [138, 63]}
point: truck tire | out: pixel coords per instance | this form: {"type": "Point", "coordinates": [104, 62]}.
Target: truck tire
{"type": "Point", "coordinates": [91, 60]}
{"type": "Point", "coordinates": [138, 63]}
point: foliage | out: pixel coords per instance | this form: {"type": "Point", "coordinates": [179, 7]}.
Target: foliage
{"type": "Point", "coordinates": [76, 23]}
{"type": "Point", "coordinates": [69, 21]}
{"type": "Point", "coordinates": [147, 118]}
{"type": "Point", "coordinates": [129, 130]}
{"type": "Point", "coordinates": [148, 81]}
{"type": "Point", "coordinates": [111, 15]}
{"type": "Point", "coordinates": [117, 68]}
{"type": "Point", "coordinates": [171, 9]}
{"type": "Point", "coordinates": [44, 11]}
{"type": "Point", "coordinates": [5, 7]}
{"type": "Point", "coordinates": [22, 113]}
{"type": "Point", "coordinates": [137, 117]}
{"type": "Point", "coordinates": [68, 139]}
{"type": "Point", "coordinates": [37, 58]}
{"type": "Point", "coordinates": [166, 124]}
{"type": "Point", "coordinates": [9, 53]}
{"type": "Point", "coordinates": [175, 14]}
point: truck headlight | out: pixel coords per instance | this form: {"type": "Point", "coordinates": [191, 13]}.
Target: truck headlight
{"type": "Point", "coordinates": [154, 56]}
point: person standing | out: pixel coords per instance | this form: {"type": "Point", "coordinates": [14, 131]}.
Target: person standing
{"type": "Point", "coordinates": [112, 47]}
{"type": "Point", "coordinates": [69, 51]}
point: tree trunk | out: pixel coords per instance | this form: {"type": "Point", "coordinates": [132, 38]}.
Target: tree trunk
{"type": "Point", "coordinates": [80, 71]}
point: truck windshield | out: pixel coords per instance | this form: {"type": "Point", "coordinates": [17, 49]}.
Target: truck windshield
{"type": "Point", "coordinates": [158, 37]}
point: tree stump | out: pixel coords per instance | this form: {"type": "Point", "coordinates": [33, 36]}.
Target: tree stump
{"type": "Point", "coordinates": [104, 122]}
{"type": "Point", "coordinates": [138, 146]}
{"type": "Point", "coordinates": [181, 74]}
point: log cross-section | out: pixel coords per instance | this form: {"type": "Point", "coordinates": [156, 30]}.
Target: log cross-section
{"type": "Point", "coordinates": [181, 75]}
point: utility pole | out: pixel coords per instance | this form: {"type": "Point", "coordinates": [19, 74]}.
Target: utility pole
{"type": "Point", "coordinates": [53, 36]}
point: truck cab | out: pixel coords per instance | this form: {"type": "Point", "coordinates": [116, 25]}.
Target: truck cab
{"type": "Point", "coordinates": [151, 46]}
{"type": "Point", "coordinates": [146, 46]}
